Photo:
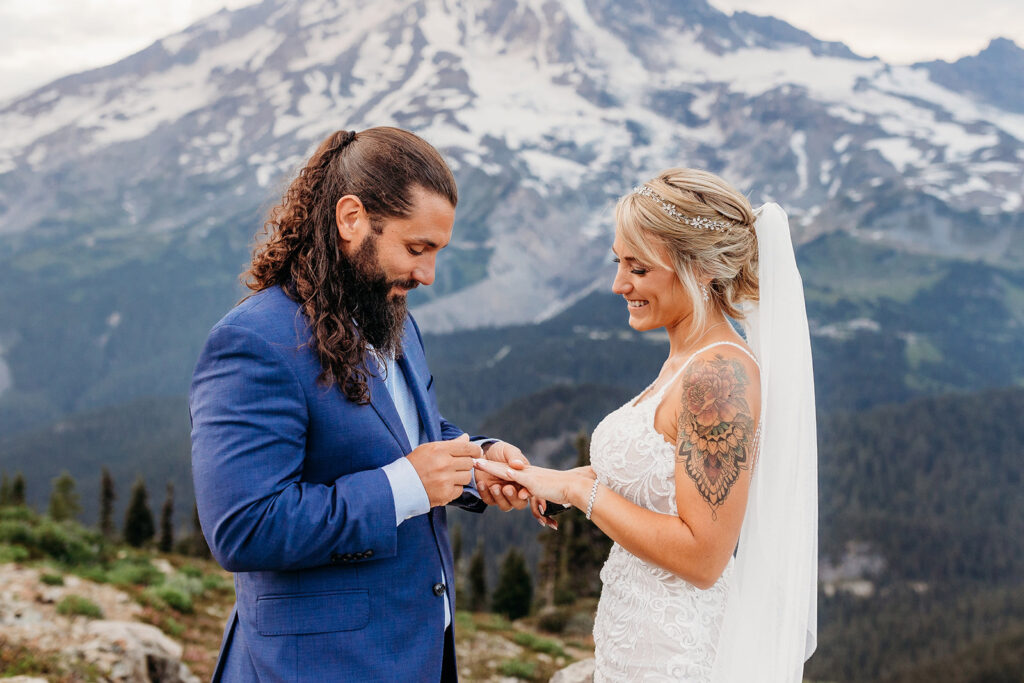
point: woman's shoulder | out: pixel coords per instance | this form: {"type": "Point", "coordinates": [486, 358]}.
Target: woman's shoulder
{"type": "Point", "coordinates": [728, 350]}
{"type": "Point", "coordinates": [722, 369]}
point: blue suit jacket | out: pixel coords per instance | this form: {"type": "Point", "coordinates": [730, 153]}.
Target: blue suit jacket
{"type": "Point", "coordinates": [292, 499]}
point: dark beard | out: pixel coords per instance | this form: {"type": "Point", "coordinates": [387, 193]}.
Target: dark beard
{"type": "Point", "coordinates": [366, 289]}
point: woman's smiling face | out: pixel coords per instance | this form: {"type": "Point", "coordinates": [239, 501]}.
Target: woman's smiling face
{"type": "Point", "coordinates": [654, 295]}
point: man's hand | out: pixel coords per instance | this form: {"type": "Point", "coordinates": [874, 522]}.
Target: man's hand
{"type": "Point", "coordinates": [501, 492]}
{"type": "Point", "coordinates": [444, 467]}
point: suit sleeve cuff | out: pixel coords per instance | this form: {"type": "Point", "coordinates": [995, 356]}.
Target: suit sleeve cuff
{"type": "Point", "coordinates": [410, 497]}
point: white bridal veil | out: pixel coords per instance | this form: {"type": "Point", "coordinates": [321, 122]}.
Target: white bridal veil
{"type": "Point", "coordinates": [770, 625]}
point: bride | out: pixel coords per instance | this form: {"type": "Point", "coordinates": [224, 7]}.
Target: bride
{"type": "Point", "coordinates": [706, 481]}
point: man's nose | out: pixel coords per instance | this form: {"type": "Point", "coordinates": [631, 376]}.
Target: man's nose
{"type": "Point", "coordinates": [424, 274]}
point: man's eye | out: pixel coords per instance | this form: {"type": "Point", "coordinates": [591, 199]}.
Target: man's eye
{"type": "Point", "coordinates": [414, 252]}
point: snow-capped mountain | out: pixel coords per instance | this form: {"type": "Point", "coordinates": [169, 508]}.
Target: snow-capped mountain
{"type": "Point", "coordinates": [546, 110]}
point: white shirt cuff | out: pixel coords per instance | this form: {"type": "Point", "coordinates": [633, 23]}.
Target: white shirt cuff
{"type": "Point", "coordinates": [406, 488]}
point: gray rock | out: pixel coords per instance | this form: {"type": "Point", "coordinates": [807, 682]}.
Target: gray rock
{"type": "Point", "coordinates": [580, 672]}
{"type": "Point", "coordinates": [135, 653]}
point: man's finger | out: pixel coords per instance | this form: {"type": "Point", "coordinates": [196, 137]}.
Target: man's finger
{"type": "Point", "coordinates": [462, 462]}
{"type": "Point", "coordinates": [499, 499]}
{"type": "Point", "coordinates": [460, 448]}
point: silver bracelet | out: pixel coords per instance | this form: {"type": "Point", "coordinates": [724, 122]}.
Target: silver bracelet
{"type": "Point", "coordinates": [593, 495]}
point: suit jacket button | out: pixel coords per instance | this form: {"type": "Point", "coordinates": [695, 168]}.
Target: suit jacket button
{"type": "Point", "coordinates": [368, 553]}
{"type": "Point", "coordinates": [347, 557]}
{"type": "Point", "coordinates": [438, 589]}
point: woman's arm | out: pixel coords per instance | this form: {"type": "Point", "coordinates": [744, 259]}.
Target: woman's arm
{"type": "Point", "coordinates": [716, 423]}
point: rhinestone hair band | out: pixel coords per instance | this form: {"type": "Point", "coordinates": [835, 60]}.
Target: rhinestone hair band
{"type": "Point", "coordinates": [672, 212]}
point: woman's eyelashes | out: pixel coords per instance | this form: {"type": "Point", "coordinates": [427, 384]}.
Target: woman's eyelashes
{"type": "Point", "coordinates": [636, 270]}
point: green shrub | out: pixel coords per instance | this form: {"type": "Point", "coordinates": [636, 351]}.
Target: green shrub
{"type": "Point", "coordinates": [497, 623]}
{"type": "Point", "coordinates": [518, 669]}
{"type": "Point", "coordinates": [215, 582]}
{"type": "Point", "coordinates": [538, 644]}
{"type": "Point", "coordinates": [17, 532]}
{"type": "Point", "coordinates": [186, 584]}
{"type": "Point", "coordinates": [51, 579]}
{"type": "Point", "coordinates": [177, 593]}
{"type": "Point", "coordinates": [67, 542]}
{"type": "Point", "coordinates": [13, 553]}
{"type": "Point", "coordinates": [134, 572]}
{"type": "Point", "coordinates": [191, 570]}
{"type": "Point", "coordinates": [172, 627]}
{"type": "Point", "coordinates": [464, 623]}
{"type": "Point", "coordinates": [564, 596]}
{"type": "Point", "coordinates": [76, 604]}
{"type": "Point", "coordinates": [580, 624]}
{"type": "Point", "coordinates": [17, 513]}
{"type": "Point", "coordinates": [93, 573]}
{"type": "Point", "coordinates": [554, 620]}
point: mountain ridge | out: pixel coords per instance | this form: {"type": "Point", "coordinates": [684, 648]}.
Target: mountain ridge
{"type": "Point", "coordinates": [129, 197]}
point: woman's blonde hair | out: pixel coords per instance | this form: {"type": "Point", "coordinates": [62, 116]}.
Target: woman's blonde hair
{"type": "Point", "coordinates": [727, 253]}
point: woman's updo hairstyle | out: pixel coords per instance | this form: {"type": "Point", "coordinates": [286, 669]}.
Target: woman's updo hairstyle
{"type": "Point", "coordinates": [725, 253]}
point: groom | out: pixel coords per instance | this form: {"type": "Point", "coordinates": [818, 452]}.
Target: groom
{"type": "Point", "coordinates": [321, 463]}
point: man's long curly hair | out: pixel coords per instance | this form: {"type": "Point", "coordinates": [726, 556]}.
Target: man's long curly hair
{"type": "Point", "coordinates": [301, 251]}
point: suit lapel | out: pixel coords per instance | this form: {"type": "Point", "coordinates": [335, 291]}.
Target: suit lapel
{"type": "Point", "coordinates": [381, 401]}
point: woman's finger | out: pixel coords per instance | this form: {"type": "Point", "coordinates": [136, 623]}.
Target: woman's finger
{"type": "Point", "coordinates": [537, 508]}
{"type": "Point", "coordinates": [499, 470]}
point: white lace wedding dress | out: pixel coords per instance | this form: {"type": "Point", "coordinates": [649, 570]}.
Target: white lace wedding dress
{"type": "Point", "coordinates": [651, 625]}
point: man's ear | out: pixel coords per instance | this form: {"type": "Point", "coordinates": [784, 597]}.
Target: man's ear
{"type": "Point", "coordinates": [351, 219]}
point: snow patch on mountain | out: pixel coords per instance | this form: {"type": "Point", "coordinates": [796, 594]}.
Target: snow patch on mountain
{"type": "Point", "coordinates": [547, 112]}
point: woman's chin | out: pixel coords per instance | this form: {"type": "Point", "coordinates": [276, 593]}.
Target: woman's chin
{"type": "Point", "coordinates": [638, 323]}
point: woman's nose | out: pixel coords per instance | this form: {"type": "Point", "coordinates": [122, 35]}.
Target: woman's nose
{"type": "Point", "coordinates": [620, 285]}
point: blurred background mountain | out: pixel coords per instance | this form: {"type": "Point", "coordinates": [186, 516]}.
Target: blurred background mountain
{"type": "Point", "coordinates": [130, 196]}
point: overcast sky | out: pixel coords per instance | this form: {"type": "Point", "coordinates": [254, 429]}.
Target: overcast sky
{"type": "Point", "coordinates": [43, 39]}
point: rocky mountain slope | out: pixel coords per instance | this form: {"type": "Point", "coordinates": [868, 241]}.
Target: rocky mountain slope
{"type": "Point", "coordinates": [129, 195]}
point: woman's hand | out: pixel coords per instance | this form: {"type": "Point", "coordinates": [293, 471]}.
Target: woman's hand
{"type": "Point", "coordinates": [543, 484]}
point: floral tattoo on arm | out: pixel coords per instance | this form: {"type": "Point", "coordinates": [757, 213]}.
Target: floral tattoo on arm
{"type": "Point", "coordinates": [715, 427]}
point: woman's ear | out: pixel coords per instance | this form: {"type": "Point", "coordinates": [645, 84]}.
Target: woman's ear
{"type": "Point", "coordinates": [351, 219]}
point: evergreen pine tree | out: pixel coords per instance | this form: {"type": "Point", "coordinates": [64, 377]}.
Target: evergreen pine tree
{"type": "Point", "coordinates": [138, 519]}
{"type": "Point", "coordinates": [477, 580]}
{"type": "Point", "coordinates": [167, 520]}
{"type": "Point", "coordinates": [63, 499]}
{"type": "Point", "coordinates": [5, 490]}
{"type": "Point", "coordinates": [514, 592]}
{"type": "Point", "coordinates": [107, 496]}
{"type": "Point", "coordinates": [18, 489]}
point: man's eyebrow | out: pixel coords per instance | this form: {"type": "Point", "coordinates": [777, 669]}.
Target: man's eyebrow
{"type": "Point", "coordinates": [423, 240]}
